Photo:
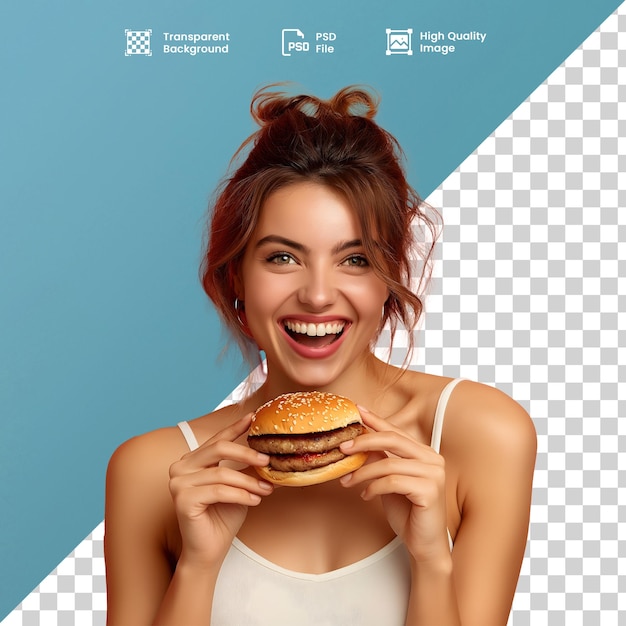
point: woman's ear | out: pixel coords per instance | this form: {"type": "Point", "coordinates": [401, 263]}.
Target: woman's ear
{"type": "Point", "coordinates": [237, 284]}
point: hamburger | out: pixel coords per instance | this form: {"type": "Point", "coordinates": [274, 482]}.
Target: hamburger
{"type": "Point", "coordinates": [301, 433]}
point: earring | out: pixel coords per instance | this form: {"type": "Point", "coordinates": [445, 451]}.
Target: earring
{"type": "Point", "coordinates": [238, 309]}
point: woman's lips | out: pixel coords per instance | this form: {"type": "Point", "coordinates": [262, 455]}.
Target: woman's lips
{"type": "Point", "coordinates": [314, 340]}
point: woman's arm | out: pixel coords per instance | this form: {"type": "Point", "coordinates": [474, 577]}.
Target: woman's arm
{"type": "Point", "coordinates": [137, 508]}
{"type": "Point", "coordinates": [149, 500]}
{"type": "Point", "coordinates": [490, 443]}
{"type": "Point", "coordinates": [494, 444]}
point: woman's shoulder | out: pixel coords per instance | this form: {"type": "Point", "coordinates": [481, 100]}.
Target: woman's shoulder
{"type": "Point", "coordinates": [488, 437]}
{"type": "Point", "coordinates": [486, 416]}
{"type": "Point", "coordinates": [137, 479]}
{"type": "Point", "coordinates": [137, 475]}
{"type": "Point", "coordinates": [469, 405]}
{"type": "Point", "coordinates": [155, 450]}
{"type": "Point", "coordinates": [477, 418]}
{"type": "Point", "coordinates": [147, 450]}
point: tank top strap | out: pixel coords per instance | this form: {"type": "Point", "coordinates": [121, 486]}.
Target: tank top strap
{"type": "Point", "coordinates": [190, 438]}
{"type": "Point", "coordinates": [435, 441]}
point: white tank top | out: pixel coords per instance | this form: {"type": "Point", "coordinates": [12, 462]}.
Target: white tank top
{"type": "Point", "coordinates": [252, 591]}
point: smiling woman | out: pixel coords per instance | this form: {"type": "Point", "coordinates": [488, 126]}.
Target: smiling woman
{"type": "Point", "coordinates": [298, 280]}
{"type": "Point", "coordinates": [338, 146]}
{"type": "Point", "coordinates": [308, 257]}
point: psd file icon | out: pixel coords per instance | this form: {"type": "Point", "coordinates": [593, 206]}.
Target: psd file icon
{"type": "Point", "coordinates": [293, 41]}
{"type": "Point", "coordinates": [399, 41]}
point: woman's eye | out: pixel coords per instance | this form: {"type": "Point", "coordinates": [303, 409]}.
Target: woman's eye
{"type": "Point", "coordinates": [281, 258]}
{"type": "Point", "coordinates": [356, 260]}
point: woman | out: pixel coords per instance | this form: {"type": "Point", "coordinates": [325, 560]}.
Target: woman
{"type": "Point", "coordinates": [308, 258]}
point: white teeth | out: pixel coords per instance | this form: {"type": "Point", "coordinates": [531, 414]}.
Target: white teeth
{"type": "Point", "coordinates": [315, 330]}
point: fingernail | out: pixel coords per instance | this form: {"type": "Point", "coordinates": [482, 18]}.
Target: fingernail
{"type": "Point", "coordinates": [255, 498]}
{"type": "Point", "coordinates": [344, 480]}
{"type": "Point", "coordinates": [346, 445]}
{"type": "Point", "coordinates": [265, 486]}
{"type": "Point", "coordinates": [361, 408]}
{"type": "Point", "coordinates": [264, 458]}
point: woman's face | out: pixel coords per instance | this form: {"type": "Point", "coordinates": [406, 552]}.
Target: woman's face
{"type": "Point", "coordinates": [312, 301]}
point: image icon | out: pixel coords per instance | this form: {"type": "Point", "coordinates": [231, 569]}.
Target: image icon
{"type": "Point", "coordinates": [399, 41]}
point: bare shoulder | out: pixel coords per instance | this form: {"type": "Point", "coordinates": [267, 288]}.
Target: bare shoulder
{"type": "Point", "coordinates": [142, 538]}
{"type": "Point", "coordinates": [488, 434]}
{"type": "Point", "coordinates": [152, 453]}
{"type": "Point", "coordinates": [140, 466]}
{"type": "Point", "coordinates": [137, 483]}
{"type": "Point", "coordinates": [148, 455]}
{"type": "Point", "coordinates": [485, 416]}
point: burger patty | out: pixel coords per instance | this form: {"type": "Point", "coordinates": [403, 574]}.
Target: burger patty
{"type": "Point", "coordinates": [304, 462]}
{"type": "Point", "coordinates": [301, 444]}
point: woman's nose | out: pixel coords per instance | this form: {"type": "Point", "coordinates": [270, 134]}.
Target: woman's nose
{"type": "Point", "coordinates": [318, 289]}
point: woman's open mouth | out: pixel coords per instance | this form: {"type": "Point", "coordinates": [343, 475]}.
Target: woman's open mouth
{"type": "Point", "coordinates": [313, 335]}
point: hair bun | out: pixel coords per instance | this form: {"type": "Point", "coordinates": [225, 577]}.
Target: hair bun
{"type": "Point", "coordinates": [356, 101]}
{"type": "Point", "coordinates": [268, 104]}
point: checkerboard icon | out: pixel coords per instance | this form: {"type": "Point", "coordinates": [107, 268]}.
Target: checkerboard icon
{"type": "Point", "coordinates": [138, 42]}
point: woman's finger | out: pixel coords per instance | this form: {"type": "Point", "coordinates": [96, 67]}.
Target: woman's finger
{"type": "Point", "coordinates": [422, 492]}
{"type": "Point", "coordinates": [231, 432]}
{"type": "Point", "coordinates": [398, 469]}
{"type": "Point", "coordinates": [391, 442]}
{"type": "Point", "coordinates": [194, 501]}
{"type": "Point", "coordinates": [221, 450]}
{"type": "Point", "coordinates": [194, 492]}
{"type": "Point", "coordinates": [219, 475]}
{"type": "Point", "coordinates": [397, 466]}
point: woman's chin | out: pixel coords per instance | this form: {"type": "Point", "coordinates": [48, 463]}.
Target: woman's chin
{"type": "Point", "coordinates": [310, 375]}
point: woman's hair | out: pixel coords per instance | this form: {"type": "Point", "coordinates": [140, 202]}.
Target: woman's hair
{"type": "Point", "coordinates": [335, 143]}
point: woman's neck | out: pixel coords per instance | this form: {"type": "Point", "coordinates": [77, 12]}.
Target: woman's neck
{"type": "Point", "coordinates": [362, 383]}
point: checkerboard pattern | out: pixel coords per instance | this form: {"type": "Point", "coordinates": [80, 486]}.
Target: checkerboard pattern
{"type": "Point", "coordinates": [530, 295]}
{"type": "Point", "coordinates": [74, 594]}
{"type": "Point", "coordinates": [138, 42]}
{"type": "Point", "coordinates": [526, 297]}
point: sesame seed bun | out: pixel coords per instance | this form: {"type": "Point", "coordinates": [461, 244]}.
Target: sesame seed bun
{"type": "Point", "coordinates": [290, 418]}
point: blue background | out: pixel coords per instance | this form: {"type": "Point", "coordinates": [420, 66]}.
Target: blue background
{"type": "Point", "coordinates": [107, 164]}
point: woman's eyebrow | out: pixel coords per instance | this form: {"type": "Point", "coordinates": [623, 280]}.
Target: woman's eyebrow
{"type": "Point", "coordinates": [342, 246]}
{"type": "Point", "coordinates": [284, 241]}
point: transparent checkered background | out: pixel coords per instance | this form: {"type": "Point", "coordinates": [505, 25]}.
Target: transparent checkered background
{"type": "Point", "coordinates": [526, 296]}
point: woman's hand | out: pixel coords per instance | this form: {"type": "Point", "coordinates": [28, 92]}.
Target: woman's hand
{"type": "Point", "coordinates": [409, 476]}
{"type": "Point", "coordinates": [211, 499]}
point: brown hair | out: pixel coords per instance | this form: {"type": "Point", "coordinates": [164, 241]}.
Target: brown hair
{"type": "Point", "coordinates": [331, 142]}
